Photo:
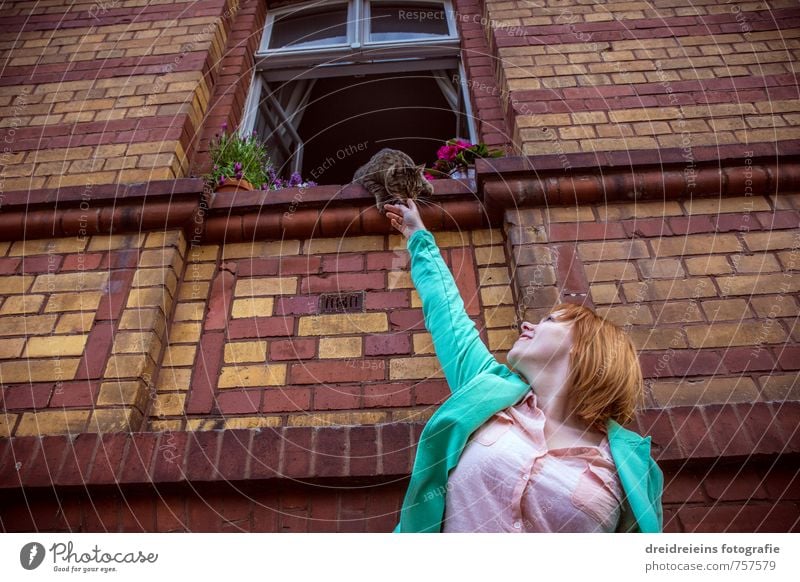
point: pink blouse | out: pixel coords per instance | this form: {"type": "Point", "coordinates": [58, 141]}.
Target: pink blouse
{"type": "Point", "coordinates": [506, 480]}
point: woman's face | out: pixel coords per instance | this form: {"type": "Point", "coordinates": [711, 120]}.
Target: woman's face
{"type": "Point", "coordinates": [544, 343]}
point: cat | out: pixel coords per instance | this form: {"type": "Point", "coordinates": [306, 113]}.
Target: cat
{"type": "Point", "coordinates": [391, 175]}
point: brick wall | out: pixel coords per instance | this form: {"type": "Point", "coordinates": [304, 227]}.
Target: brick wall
{"type": "Point", "coordinates": [577, 77]}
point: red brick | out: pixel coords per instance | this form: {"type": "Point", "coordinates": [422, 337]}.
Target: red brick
{"type": "Point", "coordinates": [219, 302]}
{"type": "Point", "coordinates": [26, 396]}
{"type": "Point", "coordinates": [75, 394]}
{"type": "Point", "coordinates": [694, 438]}
{"type": "Point", "coordinates": [783, 480]}
{"type": "Point", "coordinates": [265, 454]}
{"type": "Point", "coordinates": [337, 397]}
{"type": "Point", "coordinates": [9, 266]}
{"type": "Point", "coordinates": [138, 514]}
{"type": "Point", "coordinates": [577, 231]}
{"type": "Point", "coordinates": [299, 305]}
{"type": "Point", "coordinates": [396, 450]}
{"type": "Point", "coordinates": [759, 420]}
{"type": "Point", "coordinates": [206, 373]}
{"type": "Point", "coordinates": [82, 262]}
{"type": "Point", "coordinates": [330, 451]}
{"type": "Point", "coordinates": [382, 300]}
{"type": "Point", "coordinates": [296, 456]}
{"type": "Point", "coordinates": [383, 510]}
{"type": "Point", "coordinates": [655, 422]}
{"type": "Point", "coordinates": [239, 402]}
{"type": "Point", "coordinates": [302, 265]}
{"type": "Point", "coordinates": [431, 392]}
{"type": "Point", "coordinates": [40, 264]}
{"type": "Point", "coordinates": [97, 350]}
{"type": "Point", "coordinates": [353, 510]}
{"type": "Point", "coordinates": [107, 459]}
{"type": "Point", "coordinates": [645, 227]}
{"type": "Point", "coordinates": [407, 319]}
{"type": "Point", "coordinates": [292, 349]}
{"type": "Point", "coordinates": [113, 301]}
{"type": "Point", "coordinates": [391, 261]}
{"type": "Point", "coordinates": [352, 370]}
{"type": "Point", "coordinates": [342, 282]}
{"type": "Point", "coordinates": [788, 357]}
{"type": "Point", "coordinates": [201, 458]}
{"type": "Point", "coordinates": [734, 483]}
{"type": "Point", "coordinates": [734, 222]}
{"type": "Point", "coordinates": [751, 518]}
{"type": "Point", "coordinates": [383, 345]}
{"type": "Point", "coordinates": [462, 265]}
{"type": "Point", "coordinates": [235, 450]}
{"type": "Point", "coordinates": [202, 514]}
{"type": "Point", "coordinates": [253, 267]}
{"type": "Point", "coordinates": [171, 512]}
{"type": "Point", "coordinates": [168, 466]}
{"type": "Point", "coordinates": [101, 514]}
{"type": "Point", "coordinates": [286, 399]}
{"type": "Point", "coordinates": [78, 459]}
{"type": "Point", "coordinates": [342, 262]}
{"type": "Point", "coordinates": [691, 224]}
{"type": "Point", "coordinates": [685, 487]}
{"type": "Point", "coordinates": [265, 513]}
{"type": "Point", "coordinates": [260, 327]}
{"type": "Point", "coordinates": [363, 450]}
{"type": "Point", "coordinates": [324, 512]}
{"type": "Point", "coordinates": [570, 272]}
{"type": "Point", "coordinates": [779, 219]}
{"type": "Point", "coordinates": [120, 259]}
{"type": "Point", "coordinates": [387, 395]}
{"type": "Point", "coordinates": [746, 359]}
{"type": "Point", "coordinates": [137, 463]}
{"type": "Point", "coordinates": [45, 465]}
{"type": "Point", "coordinates": [694, 363]}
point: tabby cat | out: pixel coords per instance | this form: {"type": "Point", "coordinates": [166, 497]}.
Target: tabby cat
{"type": "Point", "coordinates": [390, 175]}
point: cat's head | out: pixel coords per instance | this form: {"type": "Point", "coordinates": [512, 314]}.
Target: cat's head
{"type": "Point", "coordinates": [408, 182]}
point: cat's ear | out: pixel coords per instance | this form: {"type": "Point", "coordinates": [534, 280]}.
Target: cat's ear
{"type": "Point", "coordinates": [421, 168]}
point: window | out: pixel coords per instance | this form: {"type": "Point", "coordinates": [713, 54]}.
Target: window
{"type": "Point", "coordinates": [354, 76]}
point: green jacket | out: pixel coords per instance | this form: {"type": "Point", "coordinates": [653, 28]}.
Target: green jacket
{"type": "Point", "coordinates": [480, 386]}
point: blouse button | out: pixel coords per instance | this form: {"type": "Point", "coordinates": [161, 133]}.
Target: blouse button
{"type": "Point", "coordinates": [517, 524]}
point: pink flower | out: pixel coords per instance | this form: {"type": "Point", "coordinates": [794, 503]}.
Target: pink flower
{"type": "Point", "coordinates": [429, 177]}
{"type": "Point", "coordinates": [462, 144]}
{"type": "Point", "coordinates": [447, 152]}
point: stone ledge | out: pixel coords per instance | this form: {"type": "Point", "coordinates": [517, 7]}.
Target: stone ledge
{"type": "Point", "coordinates": [724, 432]}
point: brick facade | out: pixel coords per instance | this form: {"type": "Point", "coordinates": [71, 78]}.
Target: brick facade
{"type": "Point", "coordinates": [168, 339]}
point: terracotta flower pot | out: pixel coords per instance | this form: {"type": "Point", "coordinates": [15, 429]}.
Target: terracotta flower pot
{"type": "Point", "coordinates": [234, 185]}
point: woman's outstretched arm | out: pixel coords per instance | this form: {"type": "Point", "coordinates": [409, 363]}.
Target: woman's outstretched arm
{"type": "Point", "coordinates": [456, 340]}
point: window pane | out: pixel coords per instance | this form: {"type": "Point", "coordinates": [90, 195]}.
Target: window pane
{"type": "Point", "coordinates": [404, 21]}
{"type": "Point", "coordinates": [310, 28]}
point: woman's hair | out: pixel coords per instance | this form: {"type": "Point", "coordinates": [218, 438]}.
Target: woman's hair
{"type": "Point", "coordinates": [605, 377]}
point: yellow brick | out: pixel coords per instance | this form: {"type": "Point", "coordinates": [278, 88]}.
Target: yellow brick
{"type": "Point", "coordinates": [415, 368]}
{"type": "Point", "coordinates": [168, 405]}
{"type": "Point", "coordinates": [179, 355]}
{"type": "Point", "coordinates": [142, 319]}
{"type": "Point", "coordinates": [261, 375]}
{"type": "Point", "coordinates": [193, 290]}
{"type": "Point", "coordinates": [163, 257]}
{"type": "Point", "coordinates": [487, 236]}
{"type": "Point", "coordinates": [116, 241]}
{"type": "Point", "coordinates": [654, 290]}
{"type": "Point", "coordinates": [11, 348]}
{"type": "Point", "coordinates": [348, 244]}
{"type": "Point", "coordinates": [190, 311]}
{"type": "Point", "coordinates": [151, 277]}
{"type": "Point", "coordinates": [544, 120]}
{"type": "Point", "coordinates": [198, 253]}
{"type": "Point", "coordinates": [646, 209]}
{"type": "Point", "coordinates": [236, 422]}
{"type": "Point", "coordinates": [677, 312]}
{"type": "Point", "coordinates": [759, 284]}
{"type": "Point", "coordinates": [773, 306]}
{"type": "Point", "coordinates": [28, 325]}
{"type": "Point", "coordinates": [174, 379]}
{"type": "Point", "coordinates": [76, 322]}
{"type": "Point", "coordinates": [604, 293]}
{"type": "Point", "coordinates": [493, 276]}
{"type": "Point", "coordinates": [734, 334]}
{"type": "Point", "coordinates": [74, 301]}
{"type": "Point", "coordinates": [115, 420]}
{"type": "Point", "coordinates": [423, 343]}
{"type": "Point", "coordinates": [610, 271]}
{"type": "Point", "coordinates": [696, 244]}
{"type": "Point", "coordinates": [609, 250]}
{"type": "Point", "coordinates": [15, 284]}
{"type": "Point", "coordinates": [47, 246]}
{"type": "Point", "coordinates": [451, 239]}
{"type": "Point", "coordinates": [52, 422]}
{"type": "Point", "coordinates": [241, 352]}
{"type": "Point", "coordinates": [262, 249]}
{"type": "Point", "coordinates": [124, 393]}
{"type": "Point", "coordinates": [266, 286]}
{"type": "Point", "coordinates": [340, 347]}
{"type": "Point", "coordinates": [759, 263]}
{"type": "Point", "coordinates": [705, 391]}
{"type": "Point", "coordinates": [45, 347]}
{"type": "Point", "coordinates": [149, 297]}
{"type": "Point", "coordinates": [588, 117]}
{"type": "Point", "coordinates": [493, 255]}
{"type": "Point", "coordinates": [39, 370]}
{"type": "Point", "coordinates": [162, 238]}
{"type": "Point", "coordinates": [649, 338]}
{"type": "Point", "coordinates": [416, 300]}
{"type": "Point", "coordinates": [710, 265]}
{"type": "Point", "coordinates": [343, 324]}
{"type": "Point", "coordinates": [258, 307]}
{"type": "Point", "coordinates": [173, 425]}
{"type": "Point", "coordinates": [569, 214]}
{"type": "Point", "coordinates": [719, 310]}
{"type": "Point", "coordinates": [625, 315]}
{"type": "Point", "coordinates": [184, 333]}
{"type": "Point", "coordinates": [129, 366]}
{"type": "Point", "coordinates": [772, 240]}
{"type": "Point", "coordinates": [399, 280]}
{"type": "Point", "coordinates": [500, 295]}
{"type": "Point", "coordinates": [780, 387]}
{"type": "Point", "coordinates": [22, 304]}
{"type": "Point", "coordinates": [723, 205]}
{"type": "Point", "coordinates": [500, 317]}
{"type": "Point", "coordinates": [71, 282]}
{"type": "Point", "coordinates": [337, 418]}
{"type": "Point", "coordinates": [7, 422]}
{"type": "Point", "coordinates": [502, 339]}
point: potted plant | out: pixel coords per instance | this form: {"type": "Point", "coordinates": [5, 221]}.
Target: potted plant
{"type": "Point", "coordinates": [239, 163]}
{"type": "Point", "coordinates": [456, 158]}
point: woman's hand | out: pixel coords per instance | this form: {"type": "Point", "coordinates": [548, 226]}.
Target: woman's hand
{"type": "Point", "coordinates": [405, 217]}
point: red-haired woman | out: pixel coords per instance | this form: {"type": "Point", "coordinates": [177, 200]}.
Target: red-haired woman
{"type": "Point", "coordinates": [535, 447]}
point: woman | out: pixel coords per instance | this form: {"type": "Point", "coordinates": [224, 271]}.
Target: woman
{"type": "Point", "coordinates": [537, 449]}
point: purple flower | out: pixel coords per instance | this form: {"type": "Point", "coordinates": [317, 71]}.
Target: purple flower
{"type": "Point", "coordinates": [311, 183]}
{"type": "Point", "coordinates": [216, 167]}
{"type": "Point", "coordinates": [272, 174]}
{"type": "Point", "coordinates": [295, 179]}
{"type": "Point", "coordinates": [237, 166]}
{"type": "Point", "coordinates": [265, 186]}
{"type": "Point", "coordinates": [222, 179]}
{"type": "Point", "coordinates": [238, 175]}
{"type": "Point", "coordinates": [224, 125]}
{"type": "Point", "coordinates": [278, 183]}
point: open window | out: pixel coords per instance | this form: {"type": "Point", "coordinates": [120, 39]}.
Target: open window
{"type": "Point", "coordinates": [336, 81]}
